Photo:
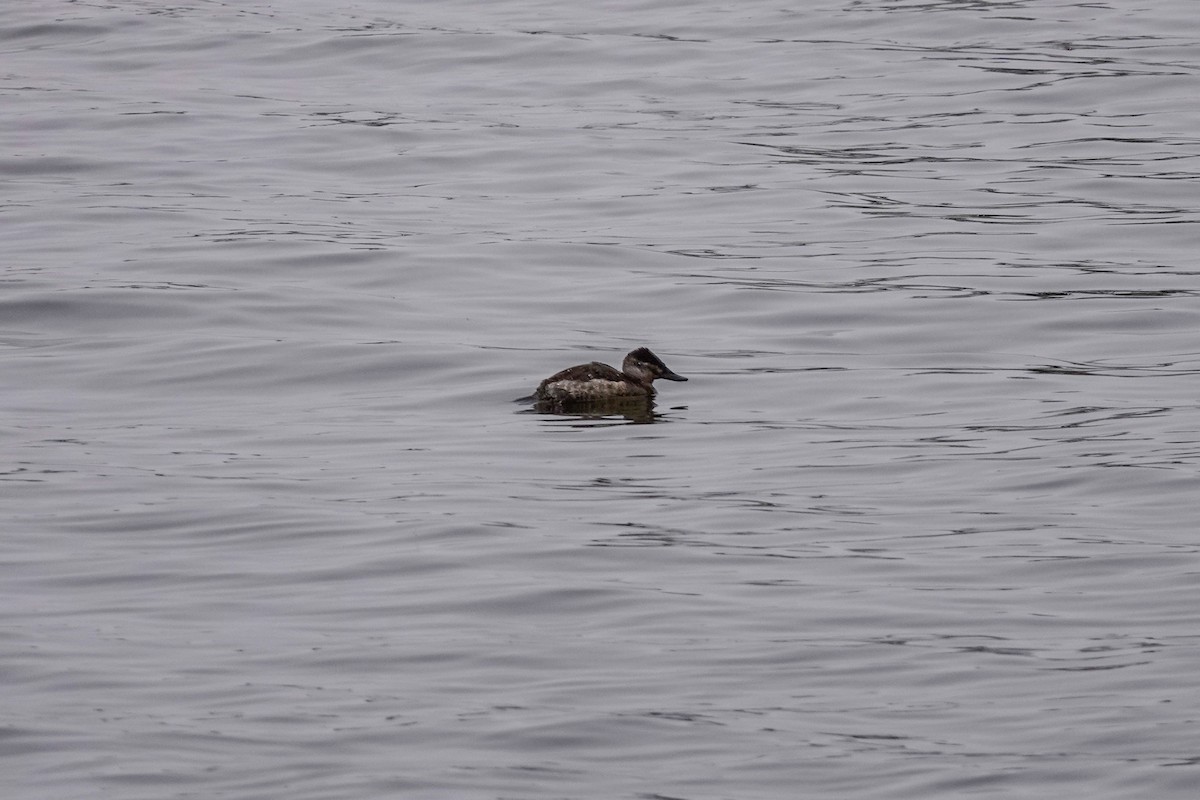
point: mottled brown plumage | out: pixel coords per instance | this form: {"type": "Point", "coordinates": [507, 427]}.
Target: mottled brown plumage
{"type": "Point", "coordinates": [596, 381]}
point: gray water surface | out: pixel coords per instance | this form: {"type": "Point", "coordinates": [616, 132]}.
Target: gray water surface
{"type": "Point", "coordinates": [922, 523]}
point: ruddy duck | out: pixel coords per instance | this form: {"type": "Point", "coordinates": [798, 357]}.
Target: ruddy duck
{"type": "Point", "coordinates": [598, 382]}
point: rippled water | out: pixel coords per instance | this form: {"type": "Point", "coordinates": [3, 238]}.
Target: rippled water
{"type": "Point", "coordinates": [922, 523]}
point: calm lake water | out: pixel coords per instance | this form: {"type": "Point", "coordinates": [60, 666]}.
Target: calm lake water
{"type": "Point", "coordinates": [923, 523]}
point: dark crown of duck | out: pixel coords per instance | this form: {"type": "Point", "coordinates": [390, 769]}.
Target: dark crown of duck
{"type": "Point", "coordinates": [644, 367]}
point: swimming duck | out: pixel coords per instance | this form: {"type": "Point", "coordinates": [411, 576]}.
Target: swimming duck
{"type": "Point", "coordinates": [596, 381]}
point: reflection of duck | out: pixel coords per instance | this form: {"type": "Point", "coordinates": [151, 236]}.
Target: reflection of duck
{"type": "Point", "coordinates": [589, 383]}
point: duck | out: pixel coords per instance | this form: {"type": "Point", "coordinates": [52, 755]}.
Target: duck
{"type": "Point", "coordinates": [599, 382]}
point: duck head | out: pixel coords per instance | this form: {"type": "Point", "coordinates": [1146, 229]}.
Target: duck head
{"type": "Point", "coordinates": [644, 367]}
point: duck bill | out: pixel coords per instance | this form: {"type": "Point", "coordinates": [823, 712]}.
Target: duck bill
{"type": "Point", "coordinates": [671, 376]}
